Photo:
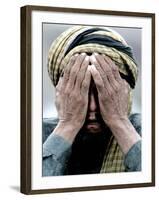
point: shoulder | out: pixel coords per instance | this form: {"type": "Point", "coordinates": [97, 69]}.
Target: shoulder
{"type": "Point", "coordinates": [48, 125]}
{"type": "Point", "coordinates": [135, 119]}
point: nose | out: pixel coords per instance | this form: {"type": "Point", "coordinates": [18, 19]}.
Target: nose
{"type": "Point", "coordinates": [92, 107]}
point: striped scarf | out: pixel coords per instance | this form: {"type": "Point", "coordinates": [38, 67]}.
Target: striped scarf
{"type": "Point", "coordinates": [102, 40]}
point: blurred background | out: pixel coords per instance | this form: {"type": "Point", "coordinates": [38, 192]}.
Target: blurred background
{"type": "Point", "coordinates": [52, 31]}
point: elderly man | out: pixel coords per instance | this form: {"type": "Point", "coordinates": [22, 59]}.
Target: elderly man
{"type": "Point", "coordinates": [94, 71]}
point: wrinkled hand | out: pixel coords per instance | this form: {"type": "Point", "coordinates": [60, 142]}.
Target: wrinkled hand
{"type": "Point", "coordinates": [113, 91]}
{"type": "Point", "coordinates": [72, 92]}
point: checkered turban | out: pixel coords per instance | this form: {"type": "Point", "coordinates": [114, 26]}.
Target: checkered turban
{"type": "Point", "coordinates": [102, 40]}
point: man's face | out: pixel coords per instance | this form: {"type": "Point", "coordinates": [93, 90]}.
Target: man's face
{"type": "Point", "coordinates": [94, 122]}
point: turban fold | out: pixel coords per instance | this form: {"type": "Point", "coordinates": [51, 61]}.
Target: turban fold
{"type": "Point", "coordinates": [102, 40]}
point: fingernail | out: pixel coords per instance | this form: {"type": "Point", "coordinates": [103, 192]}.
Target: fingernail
{"type": "Point", "coordinates": [96, 54]}
{"type": "Point", "coordinates": [83, 54]}
{"type": "Point", "coordinates": [76, 54]}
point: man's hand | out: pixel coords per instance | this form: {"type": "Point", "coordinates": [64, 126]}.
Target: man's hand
{"type": "Point", "coordinates": [72, 96]}
{"type": "Point", "coordinates": [113, 91]}
{"type": "Point", "coordinates": [113, 94]}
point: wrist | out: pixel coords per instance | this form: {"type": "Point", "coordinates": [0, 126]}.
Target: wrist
{"type": "Point", "coordinates": [117, 121]}
{"type": "Point", "coordinates": [124, 132]}
{"type": "Point", "coordinates": [66, 130]}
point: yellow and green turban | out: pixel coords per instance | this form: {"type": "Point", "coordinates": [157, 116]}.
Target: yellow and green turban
{"type": "Point", "coordinates": [102, 40]}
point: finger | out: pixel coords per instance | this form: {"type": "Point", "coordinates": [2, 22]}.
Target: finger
{"type": "Point", "coordinates": [108, 69]}
{"type": "Point", "coordinates": [81, 74]}
{"type": "Point", "coordinates": [59, 85]}
{"type": "Point", "coordinates": [68, 68]}
{"type": "Point", "coordinates": [86, 82]}
{"type": "Point", "coordinates": [97, 78]}
{"type": "Point", "coordinates": [126, 84]}
{"type": "Point", "coordinates": [114, 67]}
{"type": "Point", "coordinates": [96, 63]}
{"type": "Point", "coordinates": [74, 71]}
{"type": "Point", "coordinates": [102, 72]}
{"type": "Point", "coordinates": [105, 66]}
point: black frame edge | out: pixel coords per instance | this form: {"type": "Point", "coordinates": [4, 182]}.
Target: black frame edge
{"type": "Point", "coordinates": [25, 111]}
{"type": "Point", "coordinates": [89, 11]}
{"type": "Point", "coordinates": [153, 31]}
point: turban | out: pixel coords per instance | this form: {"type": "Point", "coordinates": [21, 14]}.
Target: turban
{"type": "Point", "coordinates": [79, 39]}
{"type": "Point", "coordinates": [102, 40]}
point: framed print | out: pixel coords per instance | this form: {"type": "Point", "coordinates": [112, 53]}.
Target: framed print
{"type": "Point", "coordinates": [87, 99]}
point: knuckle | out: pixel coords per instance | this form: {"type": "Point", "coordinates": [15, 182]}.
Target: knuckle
{"type": "Point", "coordinates": [102, 97]}
{"type": "Point", "coordinates": [111, 93]}
{"type": "Point", "coordinates": [122, 83]}
{"type": "Point", "coordinates": [108, 72]}
{"type": "Point", "coordinates": [111, 96]}
{"type": "Point", "coordinates": [117, 87]}
{"type": "Point", "coordinates": [85, 85]}
{"type": "Point", "coordinates": [118, 76]}
{"type": "Point", "coordinates": [96, 76]}
{"type": "Point", "coordinates": [80, 59]}
{"type": "Point", "coordinates": [73, 95]}
{"type": "Point", "coordinates": [72, 60]}
{"type": "Point", "coordinates": [79, 77]}
{"type": "Point", "coordinates": [100, 88]}
{"type": "Point", "coordinates": [66, 92]}
{"type": "Point", "coordinates": [66, 75]}
{"type": "Point", "coordinates": [77, 98]}
{"type": "Point", "coordinates": [98, 67]}
{"type": "Point", "coordinates": [115, 69]}
{"type": "Point", "coordinates": [96, 63]}
{"type": "Point", "coordinates": [125, 83]}
{"type": "Point", "coordinates": [73, 72]}
{"type": "Point", "coordinates": [104, 76]}
{"type": "Point", "coordinates": [98, 83]}
{"type": "Point", "coordinates": [70, 63]}
{"type": "Point", "coordinates": [80, 99]}
{"type": "Point", "coordinates": [83, 70]}
{"type": "Point", "coordinates": [66, 70]}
